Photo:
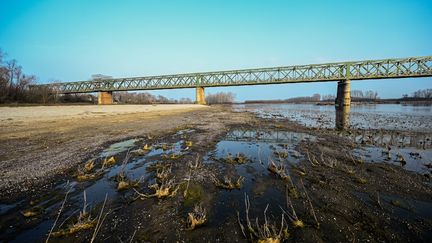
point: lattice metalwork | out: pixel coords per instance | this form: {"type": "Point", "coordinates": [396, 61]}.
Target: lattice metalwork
{"type": "Point", "coordinates": [372, 69]}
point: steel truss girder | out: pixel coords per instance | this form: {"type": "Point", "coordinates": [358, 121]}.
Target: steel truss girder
{"type": "Point", "coordinates": [371, 69]}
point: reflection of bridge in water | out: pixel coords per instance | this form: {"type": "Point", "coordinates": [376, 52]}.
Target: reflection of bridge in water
{"type": "Point", "coordinates": [269, 136]}
{"type": "Point", "coordinates": [376, 138]}
{"type": "Point", "coordinates": [393, 138]}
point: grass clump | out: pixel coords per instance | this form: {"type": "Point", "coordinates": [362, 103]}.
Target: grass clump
{"type": "Point", "coordinates": [239, 158]}
{"type": "Point", "coordinates": [161, 190]}
{"type": "Point", "coordinates": [83, 222]}
{"type": "Point", "coordinates": [108, 162]}
{"type": "Point", "coordinates": [86, 177]}
{"type": "Point", "coordinates": [264, 233]}
{"type": "Point", "coordinates": [189, 144]}
{"type": "Point", "coordinates": [147, 147]}
{"type": "Point", "coordinates": [228, 183]}
{"type": "Point", "coordinates": [295, 220]}
{"type": "Point", "coordinates": [123, 183]}
{"type": "Point", "coordinates": [88, 167]}
{"type": "Point", "coordinates": [30, 213]}
{"type": "Point", "coordinates": [283, 154]}
{"type": "Point", "coordinates": [278, 169]}
{"type": "Point", "coordinates": [197, 217]}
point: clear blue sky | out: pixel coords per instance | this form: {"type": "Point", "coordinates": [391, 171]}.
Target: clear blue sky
{"type": "Point", "coordinates": [70, 40]}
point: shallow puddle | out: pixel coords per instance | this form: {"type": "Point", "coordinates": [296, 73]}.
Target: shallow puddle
{"type": "Point", "coordinates": [412, 151]}
{"type": "Point", "coordinates": [118, 147]}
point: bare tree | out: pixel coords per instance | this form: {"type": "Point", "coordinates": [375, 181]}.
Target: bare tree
{"type": "Point", "coordinates": [357, 94]}
{"type": "Point", "coordinates": [328, 97]}
{"type": "Point", "coordinates": [14, 84]}
{"type": "Point", "coordinates": [220, 98]}
{"type": "Point", "coordinates": [423, 93]}
{"type": "Point", "coordinates": [145, 98]}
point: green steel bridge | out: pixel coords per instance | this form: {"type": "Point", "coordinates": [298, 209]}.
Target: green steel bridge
{"type": "Point", "coordinates": [341, 71]}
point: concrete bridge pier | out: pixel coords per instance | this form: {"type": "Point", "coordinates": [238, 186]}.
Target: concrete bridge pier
{"type": "Point", "coordinates": [200, 96]}
{"type": "Point", "coordinates": [105, 98]}
{"type": "Point", "coordinates": [343, 104]}
{"type": "Point", "coordinates": [343, 117]}
{"type": "Point", "coordinates": [343, 96]}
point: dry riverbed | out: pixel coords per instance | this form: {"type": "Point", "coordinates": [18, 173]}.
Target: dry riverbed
{"type": "Point", "coordinates": [206, 174]}
{"type": "Point", "coordinates": [41, 142]}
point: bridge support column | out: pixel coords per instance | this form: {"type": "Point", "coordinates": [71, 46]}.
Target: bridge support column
{"type": "Point", "coordinates": [200, 96]}
{"type": "Point", "coordinates": [342, 117]}
{"type": "Point", "coordinates": [343, 103]}
{"type": "Point", "coordinates": [343, 96]}
{"type": "Point", "coordinates": [105, 98]}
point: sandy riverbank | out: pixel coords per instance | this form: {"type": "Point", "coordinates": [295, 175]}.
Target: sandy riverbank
{"type": "Point", "coordinates": [40, 113]}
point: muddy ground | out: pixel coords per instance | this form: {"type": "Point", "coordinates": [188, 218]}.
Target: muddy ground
{"type": "Point", "coordinates": [316, 191]}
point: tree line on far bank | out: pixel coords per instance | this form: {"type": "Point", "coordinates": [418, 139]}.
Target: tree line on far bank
{"type": "Point", "coordinates": [356, 96]}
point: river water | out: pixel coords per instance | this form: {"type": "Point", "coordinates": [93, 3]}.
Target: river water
{"type": "Point", "coordinates": [383, 132]}
{"type": "Point", "coordinates": [367, 116]}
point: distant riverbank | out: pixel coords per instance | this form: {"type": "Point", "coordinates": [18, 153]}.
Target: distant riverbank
{"type": "Point", "coordinates": [407, 101]}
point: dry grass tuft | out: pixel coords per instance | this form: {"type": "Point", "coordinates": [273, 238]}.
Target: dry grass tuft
{"type": "Point", "coordinates": [109, 162]}
{"type": "Point", "coordinates": [124, 184]}
{"type": "Point", "coordinates": [30, 213]}
{"type": "Point", "coordinates": [147, 147]}
{"type": "Point", "coordinates": [88, 167]}
{"type": "Point", "coordinates": [86, 177]}
{"type": "Point", "coordinates": [189, 144]}
{"type": "Point", "coordinates": [278, 169]}
{"type": "Point", "coordinates": [296, 222]}
{"type": "Point", "coordinates": [84, 222]}
{"type": "Point", "coordinates": [240, 158]}
{"type": "Point", "coordinates": [267, 232]}
{"type": "Point", "coordinates": [228, 183]}
{"type": "Point", "coordinates": [197, 217]}
{"type": "Point", "coordinates": [282, 154]}
{"type": "Point", "coordinates": [162, 190]}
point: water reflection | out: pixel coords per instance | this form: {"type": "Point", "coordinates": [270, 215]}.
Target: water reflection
{"type": "Point", "coordinates": [267, 135]}
{"type": "Point", "coordinates": [342, 117]}
{"type": "Point", "coordinates": [361, 116]}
